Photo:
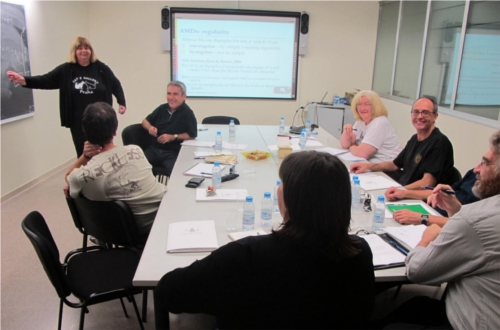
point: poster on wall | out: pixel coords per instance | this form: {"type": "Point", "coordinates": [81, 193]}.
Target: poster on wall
{"type": "Point", "coordinates": [17, 102]}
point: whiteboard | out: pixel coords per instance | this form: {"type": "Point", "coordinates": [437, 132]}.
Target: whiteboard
{"type": "Point", "coordinates": [17, 102]}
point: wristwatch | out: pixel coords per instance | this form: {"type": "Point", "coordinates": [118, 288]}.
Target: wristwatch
{"type": "Point", "coordinates": [176, 136]}
{"type": "Point", "coordinates": [424, 219]}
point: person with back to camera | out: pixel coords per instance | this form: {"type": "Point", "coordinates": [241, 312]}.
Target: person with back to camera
{"type": "Point", "coordinates": [116, 172]}
{"type": "Point", "coordinates": [81, 81]}
{"type": "Point", "coordinates": [372, 136]}
{"type": "Point", "coordinates": [309, 273]}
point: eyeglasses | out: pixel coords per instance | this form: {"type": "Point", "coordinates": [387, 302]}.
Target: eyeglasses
{"type": "Point", "coordinates": [366, 105]}
{"type": "Point", "coordinates": [424, 113]}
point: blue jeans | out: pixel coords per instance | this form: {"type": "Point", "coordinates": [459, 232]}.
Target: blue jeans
{"type": "Point", "coordinates": [163, 158]}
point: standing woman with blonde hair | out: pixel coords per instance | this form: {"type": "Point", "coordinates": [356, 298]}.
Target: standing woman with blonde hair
{"type": "Point", "coordinates": [372, 136]}
{"type": "Point", "coordinates": [81, 81]}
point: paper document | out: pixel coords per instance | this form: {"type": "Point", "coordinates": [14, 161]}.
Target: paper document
{"type": "Point", "coordinates": [205, 154]}
{"type": "Point", "coordinates": [220, 195]}
{"type": "Point", "coordinates": [196, 143]}
{"type": "Point", "coordinates": [383, 252]}
{"type": "Point", "coordinates": [192, 236]}
{"type": "Point", "coordinates": [349, 157]}
{"type": "Point", "coordinates": [311, 142]}
{"type": "Point", "coordinates": [202, 169]}
{"type": "Point", "coordinates": [376, 182]}
{"type": "Point", "coordinates": [274, 147]}
{"type": "Point", "coordinates": [233, 146]}
{"type": "Point", "coordinates": [419, 207]}
{"type": "Point", "coordinates": [242, 234]}
{"type": "Point", "coordinates": [332, 151]}
{"type": "Point", "coordinates": [408, 236]}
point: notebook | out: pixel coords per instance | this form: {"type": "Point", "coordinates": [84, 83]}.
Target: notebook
{"type": "Point", "coordinates": [192, 236]}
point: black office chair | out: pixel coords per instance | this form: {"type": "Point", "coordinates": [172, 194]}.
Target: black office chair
{"type": "Point", "coordinates": [136, 134]}
{"type": "Point", "coordinates": [220, 120]}
{"type": "Point", "coordinates": [110, 222]}
{"type": "Point", "coordinates": [96, 276]}
{"type": "Point", "coordinates": [456, 176]}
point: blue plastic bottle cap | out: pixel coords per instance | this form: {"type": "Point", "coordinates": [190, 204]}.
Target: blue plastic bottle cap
{"type": "Point", "coordinates": [249, 199]}
{"type": "Point", "coordinates": [380, 198]}
{"type": "Point", "coordinates": [267, 194]}
{"type": "Point", "coordinates": [278, 182]}
{"type": "Point", "coordinates": [216, 164]}
{"type": "Point", "coordinates": [218, 133]}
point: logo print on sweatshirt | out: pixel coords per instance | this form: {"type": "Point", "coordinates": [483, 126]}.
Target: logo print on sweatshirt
{"type": "Point", "coordinates": [85, 85]}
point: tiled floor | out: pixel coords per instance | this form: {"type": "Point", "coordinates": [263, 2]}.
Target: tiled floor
{"type": "Point", "coordinates": [29, 301]}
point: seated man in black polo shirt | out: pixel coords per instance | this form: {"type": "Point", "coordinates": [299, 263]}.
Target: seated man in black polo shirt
{"type": "Point", "coordinates": [427, 157]}
{"type": "Point", "coordinates": [170, 124]}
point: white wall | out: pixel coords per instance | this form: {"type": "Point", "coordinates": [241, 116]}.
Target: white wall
{"type": "Point", "coordinates": [126, 36]}
{"type": "Point", "coordinates": [33, 146]}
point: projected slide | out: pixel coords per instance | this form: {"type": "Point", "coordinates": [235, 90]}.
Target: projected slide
{"type": "Point", "coordinates": [235, 56]}
{"type": "Point", "coordinates": [479, 81]}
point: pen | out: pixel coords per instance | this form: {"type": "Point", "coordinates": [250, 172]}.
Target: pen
{"type": "Point", "coordinates": [205, 173]}
{"type": "Point", "coordinates": [202, 129]}
{"type": "Point", "coordinates": [449, 192]}
{"type": "Point", "coordinates": [399, 248]}
{"type": "Point", "coordinates": [199, 157]}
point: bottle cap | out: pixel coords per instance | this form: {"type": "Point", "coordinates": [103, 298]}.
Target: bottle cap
{"type": "Point", "coordinates": [249, 199]}
{"type": "Point", "coordinates": [216, 163]}
{"type": "Point", "coordinates": [278, 182]}
{"type": "Point", "coordinates": [356, 181]}
{"type": "Point", "coordinates": [267, 194]}
{"type": "Point", "coordinates": [231, 121]}
{"type": "Point", "coordinates": [282, 118]}
{"type": "Point", "coordinates": [355, 177]}
{"type": "Point", "coordinates": [380, 198]}
{"type": "Point", "coordinates": [218, 133]}
{"type": "Point", "coordinates": [308, 121]}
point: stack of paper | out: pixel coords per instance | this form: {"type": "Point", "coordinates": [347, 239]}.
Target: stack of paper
{"type": "Point", "coordinates": [202, 169]}
{"type": "Point", "coordinates": [408, 236]}
{"type": "Point", "coordinates": [384, 255]}
{"type": "Point", "coordinates": [220, 195]}
{"type": "Point", "coordinates": [192, 236]}
{"type": "Point", "coordinates": [242, 234]}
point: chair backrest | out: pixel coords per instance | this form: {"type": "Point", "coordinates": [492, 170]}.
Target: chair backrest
{"type": "Point", "coordinates": [220, 120]}
{"type": "Point", "coordinates": [111, 221]}
{"type": "Point", "coordinates": [35, 227]}
{"type": "Point", "coordinates": [457, 176]}
{"type": "Point", "coordinates": [136, 134]}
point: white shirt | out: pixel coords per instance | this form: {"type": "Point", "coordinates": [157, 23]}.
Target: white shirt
{"type": "Point", "coordinates": [381, 135]}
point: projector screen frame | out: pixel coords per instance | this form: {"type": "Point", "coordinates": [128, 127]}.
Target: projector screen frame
{"type": "Point", "coordinates": [290, 93]}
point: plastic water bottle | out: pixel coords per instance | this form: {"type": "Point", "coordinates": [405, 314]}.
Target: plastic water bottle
{"type": "Point", "coordinates": [303, 139]}
{"type": "Point", "coordinates": [282, 125]}
{"type": "Point", "coordinates": [232, 131]}
{"type": "Point", "coordinates": [216, 175]}
{"type": "Point", "coordinates": [266, 211]}
{"type": "Point", "coordinates": [336, 100]}
{"type": "Point", "coordinates": [379, 214]}
{"type": "Point", "coordinates": [248, 214]}
{"type": "Point", "coordinates": [218, 143]}
{"type": "Point", "coordinates": [308, 128]}
{"type": "Point", "coordinates": [275, 199]}
{"type": "Point", "coordinates": [355, 206]}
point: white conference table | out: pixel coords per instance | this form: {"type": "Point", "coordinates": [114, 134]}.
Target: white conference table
{"type": "Point", "coordinates": [179, 202]}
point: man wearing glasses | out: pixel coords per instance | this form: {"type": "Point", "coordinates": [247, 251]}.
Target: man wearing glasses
{"type": "Point", "coordinates": [427, 157]}
{"type": "Point", "coordinates": [465, 253]}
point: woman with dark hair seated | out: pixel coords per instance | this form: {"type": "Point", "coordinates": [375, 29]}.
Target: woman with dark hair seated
{"type": "Point", "coordinates": [309, 273]}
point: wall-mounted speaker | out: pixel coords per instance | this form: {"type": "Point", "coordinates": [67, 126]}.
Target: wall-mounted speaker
{"type": "Point", "coordinates": [165, 29]}
{"type": "Point", "coordinates": [304, 33]}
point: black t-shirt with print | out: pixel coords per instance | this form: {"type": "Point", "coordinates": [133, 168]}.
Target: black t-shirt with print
{"type": "Point", "coordinates": [433, 155]}
{"type": "Point", "coordinates": [86, 87]}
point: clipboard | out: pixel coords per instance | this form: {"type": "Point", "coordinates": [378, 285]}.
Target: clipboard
{"type": "Point", "coordinates": [377, 245]}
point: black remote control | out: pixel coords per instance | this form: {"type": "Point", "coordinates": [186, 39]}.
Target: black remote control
{"type": "Point", "coordinates": [229, 177]}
